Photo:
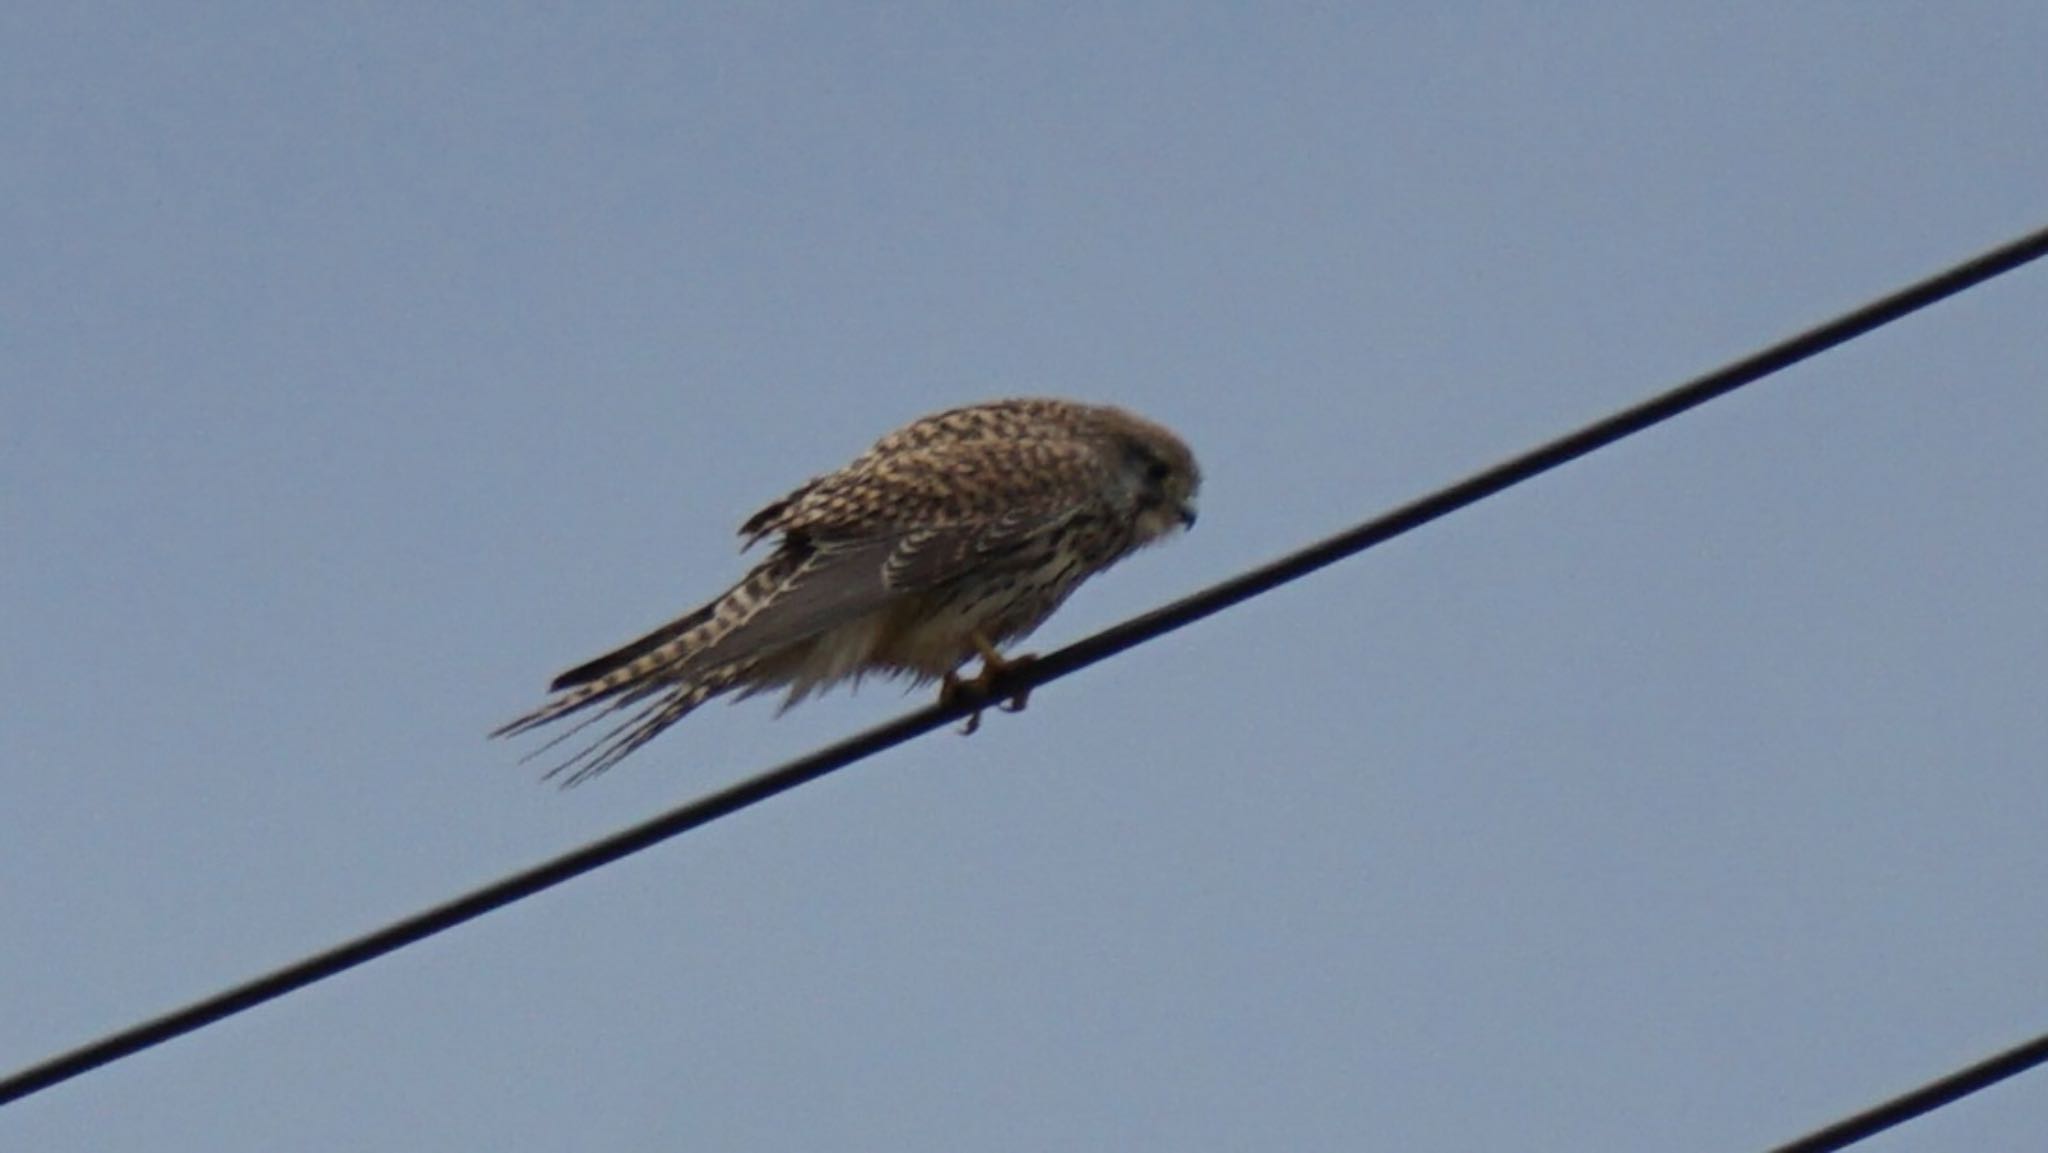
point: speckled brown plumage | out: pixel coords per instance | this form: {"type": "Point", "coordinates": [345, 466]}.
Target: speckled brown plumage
{"type": "Point", "coordinates": [952, 535]}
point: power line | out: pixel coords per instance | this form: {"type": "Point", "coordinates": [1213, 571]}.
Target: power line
{"type": "Point", "coordinates": [1926, 1099]}
{"type": "Point", "coordinates": [1051, 667]}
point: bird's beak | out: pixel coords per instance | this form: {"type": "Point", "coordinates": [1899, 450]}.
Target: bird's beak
{"type": "Point", "coordinates": [1187, 516]}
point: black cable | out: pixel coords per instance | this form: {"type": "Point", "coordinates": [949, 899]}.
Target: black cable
{"type": "Point", "coordinates": [1925, 1099]}
{"type": "Point", "coordinates": [1053, 666]}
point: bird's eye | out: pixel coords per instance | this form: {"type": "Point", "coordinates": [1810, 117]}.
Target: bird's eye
{"type": "Point", "coordinates": [1146, 463]}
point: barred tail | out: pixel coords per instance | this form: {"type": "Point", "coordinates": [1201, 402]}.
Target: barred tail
{"type": "Point", "coordinates": [665, 665]}
{"type": "Point", "coordinates": [641, 727]}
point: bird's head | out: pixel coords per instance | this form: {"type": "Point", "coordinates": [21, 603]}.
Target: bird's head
{"type": "Point", "coordinates": [1155, 472]}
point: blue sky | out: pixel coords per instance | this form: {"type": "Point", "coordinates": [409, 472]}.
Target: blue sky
{"type": "Point", "coordinates": [361, 368]}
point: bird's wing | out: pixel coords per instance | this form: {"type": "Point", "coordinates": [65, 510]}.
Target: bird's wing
{"type": "Point", "coordinates": [826, 585]}
{"type": "Point", "coordinates": [864, 539]}
{"type": "Point", "coordinates": [845, 581]}
{"type": "Point", "coordinates": [928, 558]}
{"type": "Point", "coordinates": [936, 485]}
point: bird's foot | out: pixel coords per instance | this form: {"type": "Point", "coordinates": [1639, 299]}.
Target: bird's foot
{"type": "Point", "coordinates": [981, 689]}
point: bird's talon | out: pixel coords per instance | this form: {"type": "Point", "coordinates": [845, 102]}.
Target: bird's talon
{"type": "Point", "coordinates": [952, 689]}
{"type": "Point", "coordinates": [1003, 667]}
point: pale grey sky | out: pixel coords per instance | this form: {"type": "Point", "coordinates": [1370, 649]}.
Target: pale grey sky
{"type": "Point", "coordinates": [363, 366]}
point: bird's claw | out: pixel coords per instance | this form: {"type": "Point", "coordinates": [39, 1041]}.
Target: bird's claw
{"type": "Point", "coordinates": [953, 690]}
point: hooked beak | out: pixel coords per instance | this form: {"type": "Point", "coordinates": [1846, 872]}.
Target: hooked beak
{"type": "Point", "coordinates": [1187, 516]}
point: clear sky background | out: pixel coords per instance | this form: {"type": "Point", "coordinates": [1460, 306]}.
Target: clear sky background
{"type": "Point", "coordinates": [362, 367]}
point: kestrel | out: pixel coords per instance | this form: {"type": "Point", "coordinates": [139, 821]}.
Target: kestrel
{"type": "Point", "coordinates": [953, 535]}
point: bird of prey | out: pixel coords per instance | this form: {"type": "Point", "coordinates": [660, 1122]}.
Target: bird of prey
{"type": "Point", "coordinates": [950, 537]}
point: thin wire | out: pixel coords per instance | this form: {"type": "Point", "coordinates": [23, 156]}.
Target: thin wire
{"type": "Point", "coordinates": [1926, 1099]}
{"type": "Point", "coordinates": [1024, 677]}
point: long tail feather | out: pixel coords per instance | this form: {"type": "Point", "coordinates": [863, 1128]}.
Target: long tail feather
{"type": "Point", "coordinates": [682, 664]}
{"type": "Point", "coordinates": [636, 730]}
